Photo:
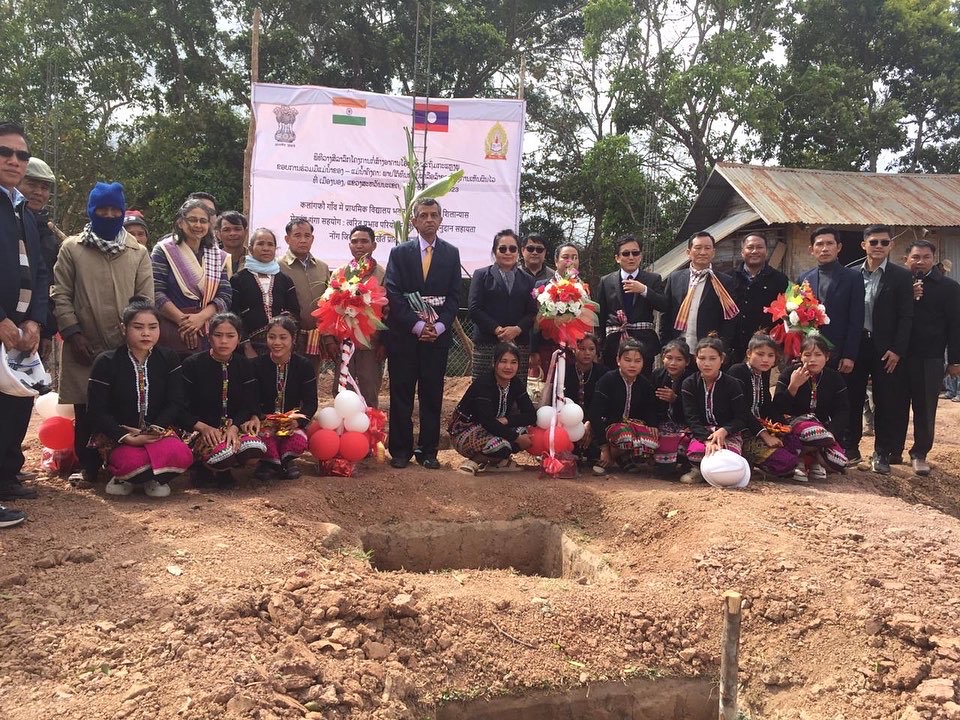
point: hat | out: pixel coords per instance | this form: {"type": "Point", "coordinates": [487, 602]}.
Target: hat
{"type": "Point", "coordinates": [106, 195]}
{"type": "Point", "coordinates": [37, 169]}
{"type": "Point", "coordinates": [725, 469]}
{"type": "Point", "coordinates": [134, 217]}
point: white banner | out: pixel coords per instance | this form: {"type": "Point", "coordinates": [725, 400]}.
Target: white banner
{"type": "Point", "coordinates": [338, 158]}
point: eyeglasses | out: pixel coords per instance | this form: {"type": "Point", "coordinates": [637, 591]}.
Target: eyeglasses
{"type": "Point", "coordinates": [874, 243]}
{"type": "Point", "coordinates": [197, 221]}
{"type": "Point", "coordinates": [535, 249]}
{"type": "Point", "coordinates": [630, 253]}
{"type": "Point", "coordinates": [22, 155]}
{"type": "Point", "coordinates": [507, 249]}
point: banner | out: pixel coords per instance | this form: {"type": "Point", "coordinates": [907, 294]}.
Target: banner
{"type": "Point", "coordinates": [338, 158]}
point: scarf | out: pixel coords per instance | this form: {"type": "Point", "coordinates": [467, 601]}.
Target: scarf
{"type": "Point", "coordinates": [198, 281]}
{"type": "Point", "coordinates": [26, 279]}
{"type": "Point", "coordinates": [255, 266]}
{"type": "Point", "coordinates": [730, 308]}
{"type": "Point", "coordinates": [90, 238]}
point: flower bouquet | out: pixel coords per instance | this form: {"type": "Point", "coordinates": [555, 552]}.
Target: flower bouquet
{"type": "Point", "coordinates": [565, 312]}
{"type": "Point", "coordinates": [352, 306]}
{"type": "Point", "coordinates": [797, 313]}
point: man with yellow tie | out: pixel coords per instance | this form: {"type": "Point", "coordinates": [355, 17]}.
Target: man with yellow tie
{"type": "Point", "coordinates": [423, 287]}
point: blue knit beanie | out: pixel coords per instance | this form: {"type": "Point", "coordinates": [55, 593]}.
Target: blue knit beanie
{"type": "Point", "coordinates": [106, 195]}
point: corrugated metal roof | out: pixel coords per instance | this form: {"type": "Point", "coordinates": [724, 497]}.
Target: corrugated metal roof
{"type": "Point", "coordinates": [676, 258]}
{"type": "Point", "coordinates": [786, 195]}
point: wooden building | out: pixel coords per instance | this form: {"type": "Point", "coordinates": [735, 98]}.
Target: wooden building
{"type": "Point", "coordinates": [787, 204]}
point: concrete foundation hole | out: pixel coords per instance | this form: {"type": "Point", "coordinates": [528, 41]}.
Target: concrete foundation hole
{"type": "Point", "coordinates": [664, 699]}
{"type": "Point", "coordinates": [530, 547]}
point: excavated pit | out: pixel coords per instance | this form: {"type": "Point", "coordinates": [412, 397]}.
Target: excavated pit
{"type": "Point", "coordinates": [530, 547]}
{"type": "Point", "coordinates": [663, 699]}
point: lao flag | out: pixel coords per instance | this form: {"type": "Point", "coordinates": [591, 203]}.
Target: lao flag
{"type": "Point", "coordinates": [430, 117]}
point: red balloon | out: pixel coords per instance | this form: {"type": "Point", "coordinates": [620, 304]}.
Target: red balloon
{"type": "Point", "coordinates": [324, 444]}
{"type": "Point", "coordinates": [354, 446]}
{"type": "Point", "coordinates": [311, 428]}
{"type": "Point", "coordinates": [561, 440]}
{"type": "Point", "coordinates": [538, 440]}
{"type": "Point", "coordinates": [56, 433]}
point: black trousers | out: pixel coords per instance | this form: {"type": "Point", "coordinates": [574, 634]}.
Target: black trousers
{"type": "Point", "coordinates": [416, 369]}
{"type": "Point", "coordinates": [90, 460]}
{"type": "Point", "coordinates": [15, 412]}
{"type": "Point", "coordinates": [890, 399]}
{"type": "Point", "coordinates": [925, 378]}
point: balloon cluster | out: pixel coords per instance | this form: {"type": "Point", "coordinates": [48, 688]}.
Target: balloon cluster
{"type": "Point", "coordinates": [341, 430]}
{"type": "Point", "coordinates": [569, 428]}
{"type": "Point", "coordinates": [56, 431]}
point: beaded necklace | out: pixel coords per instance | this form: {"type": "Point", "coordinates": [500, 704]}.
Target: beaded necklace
{"type": "Point", "coordinates": [582, 380]}
{"type": "Point", "coordinates": [281, 386]}
{"type": "Point", "coordinates": [813, 393]}
{"type": "Point", "coordinates": [757, 385]}
{"type": "Point", "coordinates": [629, 400]}
{"type": "Point", "coordinates": [502, 401]}
{"type": "Point", "coordinates": [224, 390]}
{"type": "Point", "coordinates": [266, 294]}
{"type": "Point", "coordinates": [708, 400]}
{"type": "Point", "coordinates": [143, 387]}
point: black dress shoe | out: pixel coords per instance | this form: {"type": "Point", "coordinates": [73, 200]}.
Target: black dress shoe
{"type": "Point", "coordinates": [399, 462]}
{"type": "Point", "coordinates": [16, 491]}
{"type": "Point", "coordinates": [23, 477]}
{"type": "Point", "coordinates": [429, 462]}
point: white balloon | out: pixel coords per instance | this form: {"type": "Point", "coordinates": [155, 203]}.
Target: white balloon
{"type": "Point", "coordinates": [66, 411]}
{"type": "Point", "coordinates": [576, 432]}
{"type": "Point", "coordinates": [328, 418]}
{"type": "Point", "coordinates": [570, 415]}
{"type": "Point", "coordinates": [725, 469]}
{"type": "Point", "coordinates": [46, 405]}
{"type": "Point", "coordinates": [348, 403]}
{"type": "Point", "coordinates": [357, 423]}
{"type": "Point", "coordinates": [545, 417]}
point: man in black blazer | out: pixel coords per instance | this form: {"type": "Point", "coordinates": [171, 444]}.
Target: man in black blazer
{"type": "Point", "coordinates": [888, 318]}
{"type": "Point", "coordinates": [418, 341]}
{"type": "Point", "coordinates": [755, 286]}
{"type": "Point", "coordinates": [936, 327]}
{"type": "Point", "coordinates": [24, 294]}
{"type": "Point", "coordinates": [706, 309]}
{"type": "Point", "coordinates": [627, 299]}
{"type": "Point", "coordinates": [840, 290]}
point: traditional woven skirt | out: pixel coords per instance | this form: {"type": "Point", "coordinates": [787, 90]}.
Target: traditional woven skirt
{"type": "Point", "coordinates": [812, 436]}
{"type": "Point", "coordinates": [632, 437]}
{"type": "Point", "coordinates": [471, 439]}
{"type": "Point", "coordinates": [780, 461]}
{"type": "Point", "coordinates": [281, 449]}
{"type": "Point", "coordinates": [671, 444]}
{"type": "Point", "coordinates": [697, 448]}
{"type": "Point", "coordinates": [483, 361]}
{"type": "Point", "coordinates": [223, 457]}
{"type": "Point", "coordinates": [167, 455]}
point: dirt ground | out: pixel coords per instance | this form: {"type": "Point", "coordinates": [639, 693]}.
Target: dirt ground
{"type": "Point", "coordinates": [262, 603]}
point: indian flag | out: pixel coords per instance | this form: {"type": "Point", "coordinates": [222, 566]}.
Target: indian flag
{"type": "Point", "coordinates": [348, 111]}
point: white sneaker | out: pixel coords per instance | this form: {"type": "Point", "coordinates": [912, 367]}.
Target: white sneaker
{"type": "Point", "coordinates": [156, 489]}
{"type": "Point", "coordinates": [799, 475]}
{"type": "Point", "coordinates": [118, 487]}
{"type": "Point", "coordinates": [818, 472]}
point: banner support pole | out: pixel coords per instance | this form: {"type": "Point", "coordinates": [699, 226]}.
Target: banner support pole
{"type": "Point", "coordinates": [252, 124]}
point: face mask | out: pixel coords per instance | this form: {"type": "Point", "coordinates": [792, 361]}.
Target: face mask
{"type": "Point", "coordinates": [106, 228]}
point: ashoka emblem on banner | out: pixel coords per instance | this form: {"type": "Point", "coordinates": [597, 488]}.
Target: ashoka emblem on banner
{"type": "Point", "coordinates": [286, 115]}
{"type": "Point", "coordinates": [496, 143]}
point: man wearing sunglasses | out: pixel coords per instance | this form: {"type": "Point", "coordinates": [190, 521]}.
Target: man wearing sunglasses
{"type": "Point", "coordinates": [534, 251]}
{"type": "Point", "coordinates": [24, 292]}
{"type": "Point", "coordinates": [887, 321]}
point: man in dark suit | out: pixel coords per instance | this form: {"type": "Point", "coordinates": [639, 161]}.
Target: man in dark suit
{"type": "Point", "coordinates": [755, 286]}
{"type": "Point", "coordinates": [24, 295]}
{"type": "Point", "coordinates": [699, 300]}
{"type": "Point", "coordinates": [888, 318]}
{"type": "Point", "coordinates": [418, 334]}
{"type": "Point", "coordinates": [936, 327]}
{"type": "Point", "coordinates": [840, 290]}
{"type": "Point", "coordinates": [627, 299]}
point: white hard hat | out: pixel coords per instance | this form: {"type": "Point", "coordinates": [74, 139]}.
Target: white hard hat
{"type": "Point", "coordinates": [725, 469]}
{"type": "Point", "coordinates": [22, 375]}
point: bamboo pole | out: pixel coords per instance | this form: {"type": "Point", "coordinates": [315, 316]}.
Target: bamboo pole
{"type": "Point", "coordinates": [252, 125]}
{"type": "Point", "coordinates": [523, 77]}
{"type": "Point", "coordinates": [729, 660]}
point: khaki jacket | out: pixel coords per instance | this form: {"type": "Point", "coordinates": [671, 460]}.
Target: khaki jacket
{"type": "Point", "coordinates": [90, 290]}
{"type": "Point", "coordinates": [310, 282]}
